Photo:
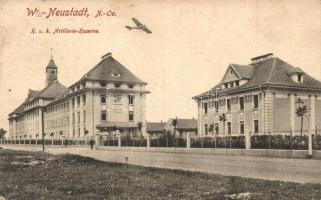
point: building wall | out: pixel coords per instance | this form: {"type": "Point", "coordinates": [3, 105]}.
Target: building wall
{"type": "Point", "coordinates": [57, 120]}
{"type": "Point", "coordinates": [275, 112]}
{"type": "Point", "coordinates": [234, 116]}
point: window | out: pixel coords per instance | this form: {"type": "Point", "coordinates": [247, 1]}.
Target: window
{"type": "Point", "coordinates": [115, 74]}
{"type": "Point", "coordinates": [84, 99]}
{"type": "Point", "coordinates": [205, 108]}
{"type": "Point", "coordinates": [73, 118]}
{"type": "Point", "coordinates": [84, 116]}
{"type": "Point", "coordinates": [241, 127]}
{"type": "Point", "coordinates": [206, 129]}
{"type": "Point", "coordinates": [78, 101]}
{"type": "Point", "coordinates": [237, 83]}
{"type": "Point", "coordinates": [225, 85]}
{"type": "Point", "coordinates": [241, 103]}
{"type": "Point", "coordinates": [228, 104]}
{"type": "Point", "coordinates": [78, 116]}
{"type": "Point", "coordinates": [231, 84]}
{"type": "Point", "coordinates": [299, 77]}
{"type": "Point", "coordinates": [131, 116]}
{"type": "Point", "coordinates": [73, 102]}
{"type": "Point", "coordinates": [103, 99]}
{"type": "Point", "coordinates": [103, 116]}
{"type": "Point", "coordinates": [130, 85]}
{"type": "Point", "coordinates": [217, 130]}
{"type": "Point", "coordinates": [117, 85]}
{"type": "Point", "coordinates": [130, 99]}
{"type": "Point", "coordinates": [256, 126]}
{"type": "Point", "coordinates": [103, 83]}
{"type": "Point", "coordinates": [216, 106]}
{"type": "Point", "coordinates": [229, 128]}
{"type": "Point", "coordinates": [256, 101]}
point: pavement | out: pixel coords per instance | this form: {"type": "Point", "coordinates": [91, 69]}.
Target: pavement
{"type": "Point", "coordinates": [282, 169]}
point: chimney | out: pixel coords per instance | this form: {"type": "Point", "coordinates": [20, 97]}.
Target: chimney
{"type": "Point", "coordinates": [261, 58]}
{"type": "Point", "coordinates": [106, 56]}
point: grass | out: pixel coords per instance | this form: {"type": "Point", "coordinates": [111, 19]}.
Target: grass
{"type": "Point", "coordinates": [76, 177]}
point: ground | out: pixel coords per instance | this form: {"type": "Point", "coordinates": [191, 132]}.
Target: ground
{"type": "Point", "coordinates": [36, 175]}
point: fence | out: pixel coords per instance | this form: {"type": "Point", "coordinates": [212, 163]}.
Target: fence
{"type": "Point", "coordinates": [46, 142]}
{"type": "Point", "coordinates": [280, 140]}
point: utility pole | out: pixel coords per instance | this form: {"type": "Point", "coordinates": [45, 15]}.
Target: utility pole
{"type": "Point", "coordinates": [43, 129]}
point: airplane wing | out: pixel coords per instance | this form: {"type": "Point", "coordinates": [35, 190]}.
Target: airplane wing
{"type": "Point", "coordinates": [146, 30]}
{"type": "Point", "coordinates": [136, 22]}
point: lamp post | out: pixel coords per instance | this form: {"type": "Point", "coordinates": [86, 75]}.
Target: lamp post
{"type": "Point", "coordinates": [301, 109]}
{"type": "Point", "coordinates": [222, 118]}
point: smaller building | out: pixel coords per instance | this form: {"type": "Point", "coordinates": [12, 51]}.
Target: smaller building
{"type": "Point", "coordinates": [155, 129]}
{"type": "Point", "coordinates": [180, 127]}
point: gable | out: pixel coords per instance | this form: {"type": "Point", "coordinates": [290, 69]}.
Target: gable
{"type": "Point", "coordinates": [230, 75]}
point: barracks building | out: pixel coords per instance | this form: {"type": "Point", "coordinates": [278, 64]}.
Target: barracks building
{"type": "Point", "coordinates": [260, 98]}
{"type": "Point", "coordinates": [106, 99]}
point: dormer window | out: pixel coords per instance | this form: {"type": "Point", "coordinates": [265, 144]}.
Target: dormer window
{"type": "Point", "coordinates": [225, 85]}
{"type": "Point", "coordinates": [115, 74]}
{"type": "Point", "coordinates": [103, 83]}
{"type": "Point", "coordinates": [117, 85]}
{"type": "Point", "coordinates": [296, 74]}
{"type": "Point", "coordinates": [130, 86]}
{"type": "Point", "coordinates": [231, 84]}
{"type": "Point", "coordinates": [299, 77]}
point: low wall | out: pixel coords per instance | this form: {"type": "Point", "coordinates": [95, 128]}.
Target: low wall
{"type": "Point", "coordinates": [212, 151]}
{"type": "Point", "coordinates": [230, 152]}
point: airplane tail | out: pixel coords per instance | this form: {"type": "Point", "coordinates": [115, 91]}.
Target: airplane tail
{"type": "Point", "coordinates": [128, 27]}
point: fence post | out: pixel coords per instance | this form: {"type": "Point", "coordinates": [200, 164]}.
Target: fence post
{"type": "Point", "coordinates": [119, 140]}
{"type": "Point", "coordinates": [97, 139]}
{"type": "Point", "coordinates": [269, 140]}
{"type": "Point", "coordinates": [188, 140]}
{"type": "Point", "coordinates": [248, 140]}
{"type": "Point", "coordinates": [291, 139]}
{"type": "Point", "coordinates": [148, 140]}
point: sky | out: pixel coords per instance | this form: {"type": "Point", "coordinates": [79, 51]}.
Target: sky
{"type": "Point", "coordinates": [188, 52]}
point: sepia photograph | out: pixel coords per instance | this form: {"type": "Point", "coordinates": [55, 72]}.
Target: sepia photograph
{"type": "Point", "coordinates": [142, 99]}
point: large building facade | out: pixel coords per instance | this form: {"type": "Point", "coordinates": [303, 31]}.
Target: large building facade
{"type": "Point", "coordinates": [107, 98]}
{"type": "Point", "coordinates": [260, 98]}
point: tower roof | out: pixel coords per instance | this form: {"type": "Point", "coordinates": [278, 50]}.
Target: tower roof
{"type": "Point", "coordinates": [51, 64]}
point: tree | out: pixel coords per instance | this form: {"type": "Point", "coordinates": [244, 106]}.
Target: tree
{"type": "Point", "coordinates": [2, 133]}
{"type": "Point", "coordinates": [140, 126]}
{"type": "Point", "coordinates": [174, 123]}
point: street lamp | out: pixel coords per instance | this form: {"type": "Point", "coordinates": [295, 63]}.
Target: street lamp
{"type": "Point", "coordinates": [222, 118]}
{"type": "Point", "coordinates": [301, 109]}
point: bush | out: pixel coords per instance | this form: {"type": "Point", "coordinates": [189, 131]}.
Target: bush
{"type": "Point", "coordinates": [221, 142]}
{"type": "Point", "coordinates": [279, 142]}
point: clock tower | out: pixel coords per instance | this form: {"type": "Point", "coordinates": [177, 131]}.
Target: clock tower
{"type": "Point", "coordinates": [51, 72]}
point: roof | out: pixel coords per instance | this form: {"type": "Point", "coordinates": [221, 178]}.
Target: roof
{"type": "Point", "coordinates": [117, 124]}
{"type": "Point", "coordinates": [52, 64]}
{"type": "Point", "coordinates": [155, 126]}
{"type": "Point", "coordinates": [269, 72]}
{"type": "Point", "coordinates": [296, 70]}
{"type": "Point", "coordinates": [19, 109]}
{"type": "Point", "coordinates": [32, 94]}
{"type": "Point", "coordinates": [53, 90]}
{"type": "Point", "coordinates": [109, 69]}
{"type": "Point", "coordinates": [244, 71]}
{"type": "Point", "coordinates": [186, 124]}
